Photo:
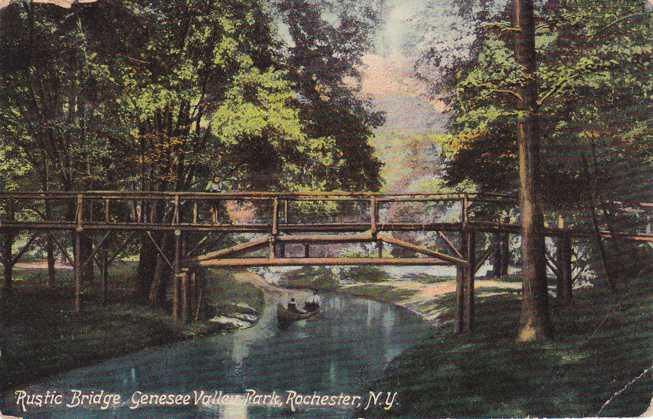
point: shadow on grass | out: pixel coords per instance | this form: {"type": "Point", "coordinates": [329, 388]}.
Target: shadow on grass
{"type": "Point", "coordinates": [40, 334]}
{"type": "Point", "coordinates": [602, 343]}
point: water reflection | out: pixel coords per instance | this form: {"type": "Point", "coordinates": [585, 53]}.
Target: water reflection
{"type": "Point", "coordinates": [342, 350]}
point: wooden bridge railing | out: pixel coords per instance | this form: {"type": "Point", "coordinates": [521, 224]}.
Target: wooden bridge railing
{"type": "Point", "coordinates": [281, 218]}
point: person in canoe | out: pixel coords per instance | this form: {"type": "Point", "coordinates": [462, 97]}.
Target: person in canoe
{"type": "Point", "coordinates": [313, 303]}
{"type": "Point", "coordinates": [292, 307]}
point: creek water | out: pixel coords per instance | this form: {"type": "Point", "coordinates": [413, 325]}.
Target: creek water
{"type": "Point", "coordinates": [343, 350]}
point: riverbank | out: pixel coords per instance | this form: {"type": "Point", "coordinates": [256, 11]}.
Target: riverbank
{"type": "Point", "coordinates": [41, 335]}
{"type": "Point", "coordinates": [599, 363]}
{"type": "Point", "coordinates": [430, 297]}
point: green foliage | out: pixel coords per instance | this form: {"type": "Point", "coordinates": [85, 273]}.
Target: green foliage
{"type": "Point", "coordinates": [365, 274]}
{"type": "Point", "coordinates": [595, 95]}
{"type": "Point", "coordinates": [175, 94]}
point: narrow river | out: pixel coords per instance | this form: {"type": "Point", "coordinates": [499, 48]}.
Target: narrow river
{"type": "Point", "coordinates": [343, 350]}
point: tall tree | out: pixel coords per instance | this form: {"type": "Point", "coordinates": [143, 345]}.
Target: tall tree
{"type": "Point", "coordinates": [534, 323]}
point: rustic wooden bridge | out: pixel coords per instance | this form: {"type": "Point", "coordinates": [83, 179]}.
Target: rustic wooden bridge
{"type": "Point", "coordinates": [273, 221]}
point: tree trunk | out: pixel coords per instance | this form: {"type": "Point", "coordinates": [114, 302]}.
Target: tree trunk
{"type": "Point", "coordinates": [564, 284]}
{"type": "Point", "coordinates": [51, 260]}
{"type": "Point", "coordinates": [7, 262]}
{"type": "Point", "coordinates": [7, 257]}
{"type": "Point", "coordinates": [49, 243]}
{"type": "Point", "coordinates": [534, 321]}
{"type": "Point", "coordinates": [145, 272]}
{"type": "Point", "coordinates": [158, 286]}
{"type": "Point", "coordinates": [148, 259]}
{"type": "Point", "coordinates": [497, 259]}
{"type": "Point", "coordinates": [505, 254]}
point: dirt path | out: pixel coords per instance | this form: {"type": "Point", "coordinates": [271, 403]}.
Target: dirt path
{"type": "Point", "coordinates": [425, 299]}
{"type": "Point", "coordinates": [40, 264]}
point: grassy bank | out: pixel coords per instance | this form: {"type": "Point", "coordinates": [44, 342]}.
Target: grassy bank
{"type": "Point", "coordinates": [601, 352]}
{"type": "Point", "coordinates": [41, 335]}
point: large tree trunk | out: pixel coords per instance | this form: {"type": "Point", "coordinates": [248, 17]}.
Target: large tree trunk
{"type": "Point", "coordinates": [534, 322]}
{"type": "Point", "coordinates": [7, 244]}
{"type": "Point", "coordinates": [505, 254]}
{"type": "Point", "coordinates": [7, 256]}
{"type": "Point", "coordinates": [162, 272]}
{"type": "Point", "coordinates": [49, 245]}
{"type": "Point", "coordinates": [145, 273]}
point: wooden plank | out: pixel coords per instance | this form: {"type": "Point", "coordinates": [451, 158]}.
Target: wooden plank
{"type": "Point", "coordinates": [185, 298]}
{"type": "Point", "coordinates": [552, 266]}
{"type": "Point", "coordinates": [107, 218]}
{"type": "Point", "coordinates": [422, 250]}
{"type": "Point", "coordinates": [197, 245]}
{"type": "Point", "coordinates": [482, 260]}
{"type": "Point", "coordinates": [460, 289]}
{"type": "Point", "coordinates": [250, 245]}
{"type": "Point", "coordinates": [96, 249]}
{"type": "Point", "coordinates": [250, 262]}
{"type": "Point", "coordinates": [160, 251]}
{"type": "Point", "coordinates": [469, 282]}
{"type": "Point", "coordinates": [63, 251]}
{"type": "Point", "coordinates": [24, 249]}
{"type": "Point", "coordinates": [78, 271]}
{"type": "Point", "coordinates": [374, 215]}
{"type": "Point", "coordinates": [275, 216]}
{"type": "Point", "coordinates": [317, 238]}
{"type": "Point", "coordinates": [175, 276]}
{"type": "Point", "coordinates": [450, 244]}
{"type": "Point", "coordinates": [122, 247]}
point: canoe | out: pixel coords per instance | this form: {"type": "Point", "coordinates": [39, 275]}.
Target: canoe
{"type": "Point", "coordinates": [288, 316]}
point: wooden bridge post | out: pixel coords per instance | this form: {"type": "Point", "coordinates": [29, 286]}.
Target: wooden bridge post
{"type": "Point", "coordinates": [470, 270]}
{"type": "Point", "coordinates": [185, 297]}
{"type": "Point", "coordinates": [282, 245]}
{"type": "Point", "coordinates": [194, 295]}
{"type": "Point", "coordinates": [79, 217]}
{"type": "Point", "coordinates": [460, 271]}
{"type": "Point", "coordinates": [78, 270]}
{"type": "Point", "coordinates": [175, 275]}
{"type": "Point", "coordinates": [564, 284]}
{"type": "Point", "coordinates": [505, 254]}
{"type": "Point", "coordinates": [275, 228]}
{"type": "Point", "coordinates": [105, 274]}
{"type": "Point", "coordinates": [7, 245]}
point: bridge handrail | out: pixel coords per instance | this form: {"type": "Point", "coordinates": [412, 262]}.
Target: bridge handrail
{"type": "Point", "coordinates": [244, 195]}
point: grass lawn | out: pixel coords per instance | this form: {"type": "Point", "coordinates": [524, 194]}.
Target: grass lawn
{"type": "Point", "coordinates": [42, 335]}
{"type": "Point", "coordinates": [602, 343]}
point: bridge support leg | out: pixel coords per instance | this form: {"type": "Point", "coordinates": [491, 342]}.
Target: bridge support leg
{"type": "Point", "coordinates": [460, 288]}
{"type": "Point", "coordinates": [78, 270]}
{"type": "Point", "coordinates": [497, 256]}
{"type": "Point", "coordinates": [470, 271]}
{"type": "Point", "coordinates": [505, 254]}
{"type": "Point", "coordinates": [564, 286]}
{"type": "Point", "coordinates": [185, 297]}
{"type": "Point", "coordinates": [105, 275]}
{"type": "Point", "coordinates": [176, 275]}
